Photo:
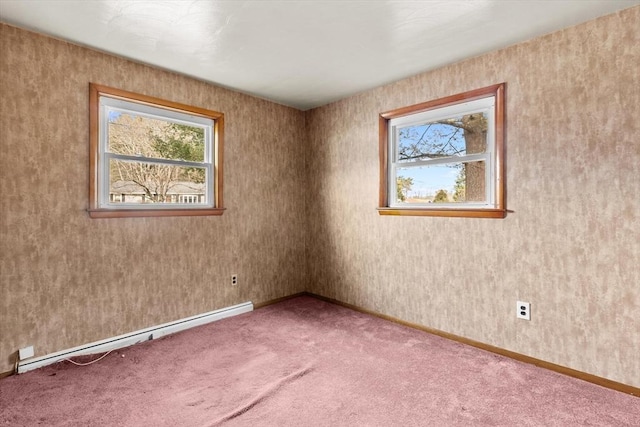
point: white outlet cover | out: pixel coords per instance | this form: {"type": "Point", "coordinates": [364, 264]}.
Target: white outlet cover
{"type": "Point", "coordinates": [25, 353]}
{"type": "Point", "coordinates": [523, 310]}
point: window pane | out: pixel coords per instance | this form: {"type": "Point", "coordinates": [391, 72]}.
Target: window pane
{"type": "Point", "coordinates": [444, 183]}
{"type": "Point", "coordinates": [456, 136]}
{"type": "Point", "coordinates": [136, 135]}
{"type": "Point", "coordinates": [137, 182]}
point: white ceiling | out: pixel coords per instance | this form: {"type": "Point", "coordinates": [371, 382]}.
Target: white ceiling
{"type": "Point", "coordinates": [300, 53]}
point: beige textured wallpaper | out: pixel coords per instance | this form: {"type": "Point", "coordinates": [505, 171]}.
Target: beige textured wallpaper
{"type": "Point", "coordinates": [65, 279]}
{"type": "Point", "coordinates": [571, 246]}
{"type": "Point", "coordinates": [301, 191]}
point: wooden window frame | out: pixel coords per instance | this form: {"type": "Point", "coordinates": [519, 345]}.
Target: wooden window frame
{"type": "Point", "coordinates": [217, 143]}
{"type": "Point", "coordinates": [498, 208]}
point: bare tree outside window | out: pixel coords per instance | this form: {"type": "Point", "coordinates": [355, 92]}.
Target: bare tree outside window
{"type": "Point", "coordinates": [449, 138]}
{"type": "Point", "coordinates": [146, 137]}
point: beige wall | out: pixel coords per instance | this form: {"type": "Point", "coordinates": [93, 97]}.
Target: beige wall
{"type": "Point", "coordinates": [66, 279]}
{"type": "Point", "coordinates": [301, 191]}
{"type": "Point", "coordinates": [571, 246]}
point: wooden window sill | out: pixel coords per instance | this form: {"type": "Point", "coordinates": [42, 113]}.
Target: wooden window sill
{"type": "Point", "coordinates": [137, 213]}
{"type": "Point", "coordinates": [467, 213]}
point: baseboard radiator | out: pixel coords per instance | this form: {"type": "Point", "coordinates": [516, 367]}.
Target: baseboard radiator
{"type": "Point", "coordinates": [132, 338]}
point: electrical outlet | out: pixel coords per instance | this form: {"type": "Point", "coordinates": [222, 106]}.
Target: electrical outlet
{"type": "Point", "coordinates": [25, 353]}
{"type": "Point", "coordinates": [234, 279]}
{"type": "Point", "coordinates": [523, 310]}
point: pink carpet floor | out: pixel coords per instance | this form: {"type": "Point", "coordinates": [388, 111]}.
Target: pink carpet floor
{"type": "Point", "coordinates": [305, 362]}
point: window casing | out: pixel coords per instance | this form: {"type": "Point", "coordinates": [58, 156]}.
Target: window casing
{"type": "Point", "coordinates": [151, 157]}
{"type": "Point", "coordinates": [445, 157]}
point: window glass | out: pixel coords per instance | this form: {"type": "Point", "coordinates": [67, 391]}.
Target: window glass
{"type": "Point", "coordinates": [457, 136]}
{"type": "Point", "coordinates": [138, 135]}
{"type": "Point", "coordinates": [144, 183]}
{"type": "Point", "coordinates": [461, 182]}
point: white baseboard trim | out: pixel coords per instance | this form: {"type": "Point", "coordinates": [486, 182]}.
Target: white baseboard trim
{"type": "Point", "coordinates": [132, 338]}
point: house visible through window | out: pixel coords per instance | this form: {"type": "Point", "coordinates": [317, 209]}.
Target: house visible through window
{"type": "Point", "coordinates": [445, 157]}
{"type": "Point", "coordinates": [151, 157]}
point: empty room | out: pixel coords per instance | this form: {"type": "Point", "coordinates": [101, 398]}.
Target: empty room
{"type": "Point", "coordinates": [319, 213]}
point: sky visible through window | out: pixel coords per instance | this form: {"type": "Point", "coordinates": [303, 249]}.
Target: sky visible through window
{"type": "Point", "coordinates": [428, 180]}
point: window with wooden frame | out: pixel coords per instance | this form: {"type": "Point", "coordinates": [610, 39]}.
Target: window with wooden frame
{"type": "Point", "coordinates": [151, 157]}
{"type": "Point", "coordinates": [445, 157]}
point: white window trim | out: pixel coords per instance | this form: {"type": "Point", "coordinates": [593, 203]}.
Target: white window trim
{"type": "Point", "coordinates": [109, 104]}
{"type": "Point", "coordinates": [483, 105]}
